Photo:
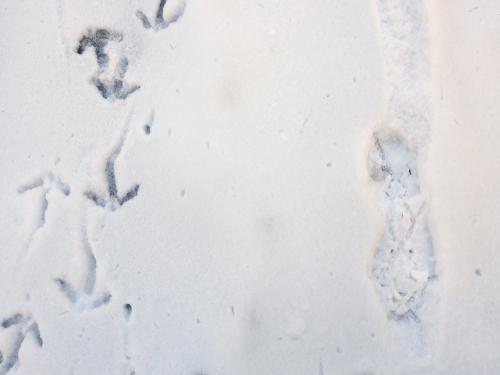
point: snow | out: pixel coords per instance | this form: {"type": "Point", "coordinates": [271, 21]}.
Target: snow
{"type": "Point", "coordinates": [249, 187]}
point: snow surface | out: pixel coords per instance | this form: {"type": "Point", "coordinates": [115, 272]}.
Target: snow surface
{"type": "Point", "coordinates": [244, 187]}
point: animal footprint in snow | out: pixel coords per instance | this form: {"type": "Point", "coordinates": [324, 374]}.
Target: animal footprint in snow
{"type": "Point", "coordinates": [18, 327]}
{"type": "Point", "coordinates": [85, 298]}
{"type": "Point", "coordinates": [127, 312]}
{"type": "Point", "coordinates": [113, 200]}
{"type": "Point", "coordinates": [163, 17]}
{"type": "Point", "coordinates": [46, 183]}
{"type": "Point", "coordinates": [82, 300]}
{"type": "Point", "coordinates": [148, 126]}
{"type": "Point", "coordinates": [110, 82]}
{"type": "Point", "coordinates": [404, 260]}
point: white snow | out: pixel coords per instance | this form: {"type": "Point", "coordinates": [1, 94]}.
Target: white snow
{"type": "Point", "coordinates": [239, 187]}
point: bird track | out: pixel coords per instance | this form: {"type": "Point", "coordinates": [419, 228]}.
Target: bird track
{"type": "Point", "coordinates": [18, 327]}
{"type": "Point", "coordinates": [85, 297]}
{"type": "Point", "coordinates": [162, 21]}
{"type": "Point", "coordinates": [46, 182]}
{"type": "Point", "coordinates": [113, 200]}
{"type": "Point", "coordinates": [109, 82]}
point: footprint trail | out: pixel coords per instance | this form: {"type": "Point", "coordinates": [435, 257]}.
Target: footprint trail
{"type": "Point", "coordinates": [46, 182]}
{"type": "Point", "coordinates": [403, 267]}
